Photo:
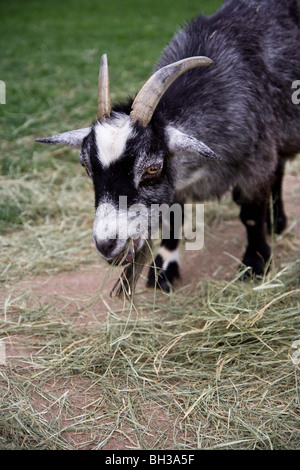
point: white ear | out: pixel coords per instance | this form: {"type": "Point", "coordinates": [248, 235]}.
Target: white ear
{"type": "Point", "coordinates": [185, 144]}
{"type": "Point", "coordinates": [70, 138]}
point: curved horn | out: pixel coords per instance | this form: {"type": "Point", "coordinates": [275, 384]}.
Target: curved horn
{"type": "Point", "coordinates": [104, 107]}
{"type": "Point", "coordinates": [149, 96]}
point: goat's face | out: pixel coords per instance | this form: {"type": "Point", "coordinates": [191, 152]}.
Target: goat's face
{"type": "Point", "coordinates": [130, 166]}
{"type": "Point", "coordinates": [129, 158]}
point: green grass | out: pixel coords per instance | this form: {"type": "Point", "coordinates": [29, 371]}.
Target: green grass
{"type": "Point", "coordinates": [211, 365]}
{"type": "Point", "coordinates": [50, 60]}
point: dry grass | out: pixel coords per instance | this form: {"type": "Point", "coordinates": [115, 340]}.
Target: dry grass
{"type": "Point", "coordinates": [55, 218]}
{"type": "Point", "coordinates": [209, 367]}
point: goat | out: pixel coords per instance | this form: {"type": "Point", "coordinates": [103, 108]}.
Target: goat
{"type": "Point", "coordinates": [217, 114]}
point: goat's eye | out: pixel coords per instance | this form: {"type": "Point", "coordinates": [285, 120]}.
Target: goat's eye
{"type": "Point", "coordinates": [152, 170]}
{"type": "Point", "coordinates": [84, 165]}
{"type": "Point", "coordinates": [86, 169]}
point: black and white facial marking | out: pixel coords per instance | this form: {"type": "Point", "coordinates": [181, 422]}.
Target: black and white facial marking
{"type": "Point", "coordinates": [130, 169]}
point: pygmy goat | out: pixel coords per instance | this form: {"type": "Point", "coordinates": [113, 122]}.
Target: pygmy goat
{"type": "Point", "coordinates": [217, 114]}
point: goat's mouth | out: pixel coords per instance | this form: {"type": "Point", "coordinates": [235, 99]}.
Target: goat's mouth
{"type": "Point", "coordinates": [128, 253]}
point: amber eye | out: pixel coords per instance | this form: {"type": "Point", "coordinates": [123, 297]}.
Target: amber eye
{"type": "Point", "coordinates": [86, 169]}
{"type": "Point", "coordinates": [152, 170]}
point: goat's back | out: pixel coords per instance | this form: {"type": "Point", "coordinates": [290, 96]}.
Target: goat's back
{"type": "Point", "coordinates": [241, 106]}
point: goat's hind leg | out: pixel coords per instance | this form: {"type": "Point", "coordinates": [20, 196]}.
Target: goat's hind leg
{"type": "Point", "coordinates": [253, 216]}
{"type": "Point", "coordinates": [276, 218]}
{"type": "Point", "coordinates": [165, 269]}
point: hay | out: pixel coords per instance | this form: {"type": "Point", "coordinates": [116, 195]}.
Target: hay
{"type": "Point", "coordinates": [55, 216]}
{"type": "Point", "coordinates": [209, 366]}
{"type": "Point", "coordinates": [211, 369]}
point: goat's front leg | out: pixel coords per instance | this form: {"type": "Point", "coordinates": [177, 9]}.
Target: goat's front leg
{"type": "Point", "coordinates": [253, 216]}
{"type": "Point", "coordinates": [165, 269]}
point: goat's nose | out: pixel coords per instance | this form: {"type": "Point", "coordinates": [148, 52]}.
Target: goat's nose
{"type": "Point", "coordinates": [105, 246]}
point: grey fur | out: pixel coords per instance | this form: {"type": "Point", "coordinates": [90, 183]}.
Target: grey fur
{"type": "Point", "coordinates": [241, 107]}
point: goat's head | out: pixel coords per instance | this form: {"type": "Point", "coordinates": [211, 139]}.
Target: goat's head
{"type": "Point", "coordinates": [128, 154]}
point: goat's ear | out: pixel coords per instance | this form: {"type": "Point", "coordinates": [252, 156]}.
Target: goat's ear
{"type": "Point", "coordinates": [180, 143]}
{"type": "Point", "coordinates": [71, 138]}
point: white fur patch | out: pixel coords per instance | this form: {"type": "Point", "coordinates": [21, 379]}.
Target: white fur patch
{"type": "Point", "coordinates": [250, 223]}
{"type": "Point", "coordinates": [106, 221]}
{"type": "Point", "coordinates": [168, 256]}
{"type": "Point", "coordinates": [120, 223]}
{"type": "Point", "coordinates": [111, 138]}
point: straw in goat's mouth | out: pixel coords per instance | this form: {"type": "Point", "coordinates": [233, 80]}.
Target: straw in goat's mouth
{"type": "Point", "coordinates": [128, 254]}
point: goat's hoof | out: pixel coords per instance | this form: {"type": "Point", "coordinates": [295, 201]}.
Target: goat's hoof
{"type": "Point", "coordinates": [279, 224]}
{"type": "Point", "coordinates": [161, 282]}
{"type": "Point", "coordinates": [248, 275]}
{"type": "Point", "coordinates": [163, 278]}
{"type": "Point", "coordinates": [257, 261]}
{"type": "Point", "coordinates": [158, 279]}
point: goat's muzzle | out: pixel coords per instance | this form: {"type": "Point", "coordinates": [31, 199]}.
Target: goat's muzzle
{"type": "Point", "coordinates": [118, 252]}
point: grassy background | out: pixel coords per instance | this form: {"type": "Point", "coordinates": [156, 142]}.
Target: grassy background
{"type": "Point", "coordinates": [50, 60]}
{"type": "Point", "coordinates": [204, 368]}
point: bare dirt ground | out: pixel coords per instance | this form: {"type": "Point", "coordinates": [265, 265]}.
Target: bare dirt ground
{"type": "Point", "coordinates": [73, 291]}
